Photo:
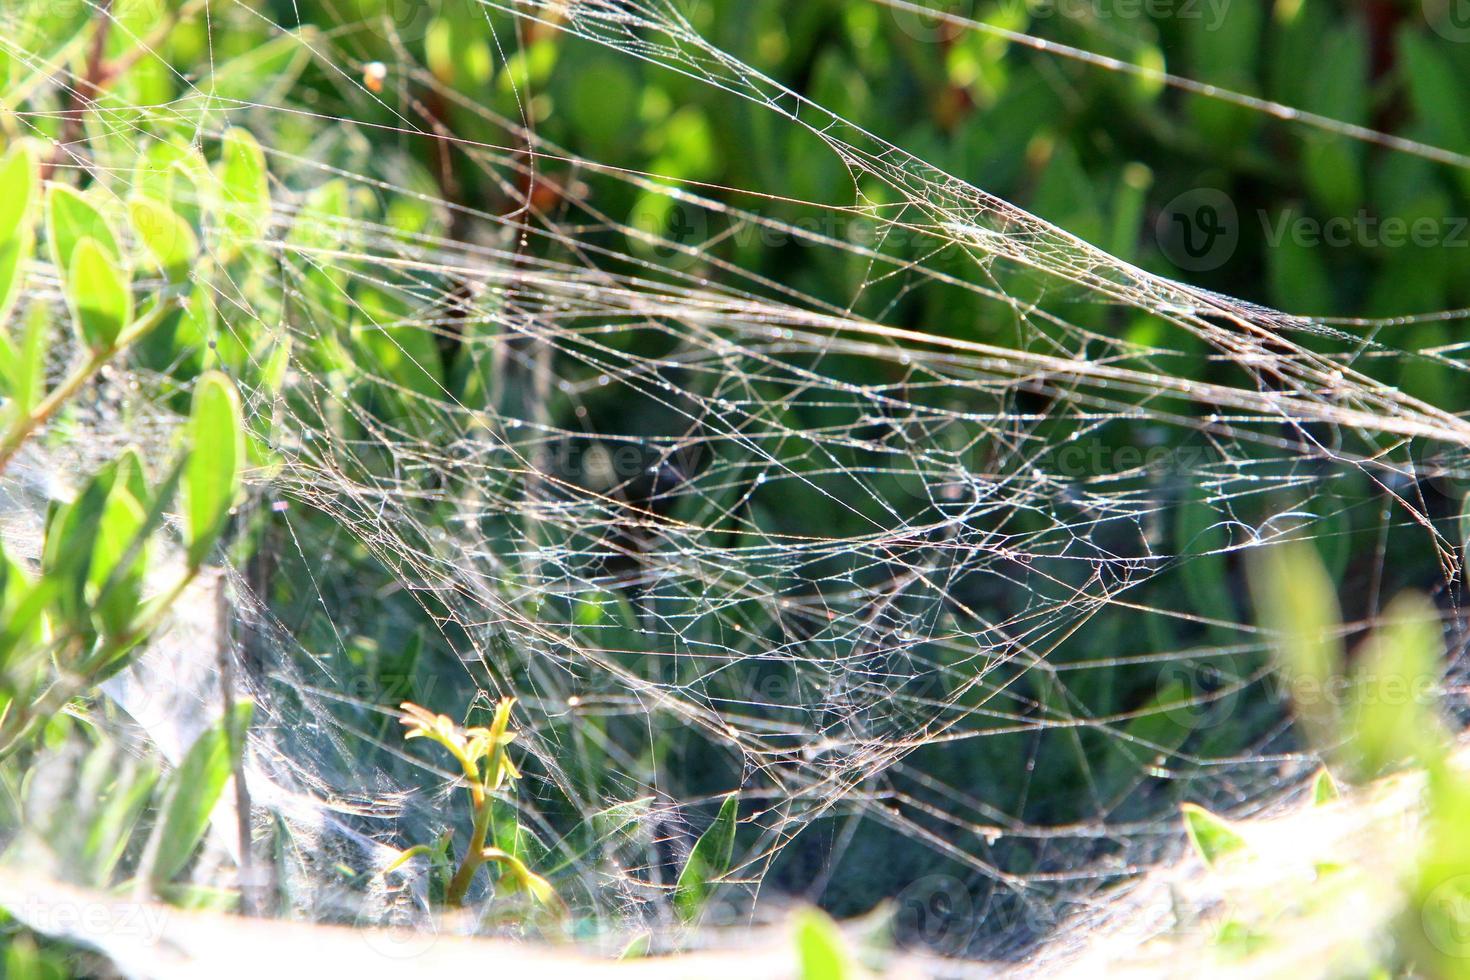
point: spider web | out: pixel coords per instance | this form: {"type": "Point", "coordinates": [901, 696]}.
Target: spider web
{"type": "Point", "coordinates": [955, 617]}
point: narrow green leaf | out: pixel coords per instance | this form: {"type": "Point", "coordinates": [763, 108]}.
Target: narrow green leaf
{"type": "Point", "coordinates": [420, 850]}
{"type": "Point", "coordinates": [212, 474]}
{"type": "Point", "coordinates": [108, 837]}
{"type": "Point", "coordinates": [273, 371]}
{"type": "Point", "coordinates": [168, 237]}
{"type": "Point", "coordinates": [246, 187]}
{"type": "Point", "coordinates": [19, 179]}
{"type": "Point", "coordinates": [1150, 738]}
{"type": "Point", "coordinates": [123, 518]}
{"type": "Point", "coordinates": [28, 383]}
{"type": "Point", "coordinates": [201, 898]}
{"type": "Point", "coordinates": [18, 182]}
{"type": "Point", "coordinates": [1393, 712]}
{"type": "Point", "coordinates": [637, 947]}
{"type": "Point", "coordinates": [23, 605]}
{"type": "Point", "coordinates": [1211, 835]}
{"type": "Point", "coordinates": [1297, 604]}
{"type": "Point", "coordinates": [132, 473]}
{"type": "Point", "coordinates": [515, 876]}
{"type": "Point", "coordinates": [71, 534]}
{"type": "Point", "coordinates": [192, 792]}
{"type": "Point", "coordinates": [99, 295]}
{"type": "Point", "coordinates": [709, 859]}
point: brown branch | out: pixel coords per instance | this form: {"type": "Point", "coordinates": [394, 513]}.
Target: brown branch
{"type": "Point", "coordinates": [86, 92]}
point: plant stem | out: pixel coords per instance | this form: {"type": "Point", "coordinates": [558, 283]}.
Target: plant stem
{"type": "Point", "coordinates": [85, 94]}
{"type": "Point", "coordinates": [25, 427]}
{"type": "Point", "coordinates": [473, 856]}
{"type": "Point", "coordinates": [64, 688]}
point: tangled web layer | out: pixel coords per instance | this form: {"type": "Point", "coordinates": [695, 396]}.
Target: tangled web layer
{"type": "Point", "coordinates": [965, 604]}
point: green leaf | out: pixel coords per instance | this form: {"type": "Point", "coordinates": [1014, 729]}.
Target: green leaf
{"type": "Point", "coordinates": [637, 947]}
{"type": "Point", "coordinates": [273, 371]}
{"type": "Point", "coordinates": [22, 960]}
{"type": "Point", "coordinates": [1150, 738]}
{"type": "Point", "coordinates": [71, 534]}
{"type": "Point", "coordinates": [419, 850]}
{"type": "Point", "coordinates": [108, 836]}
{"type": "Point", "coordinates": [246, 188]}
{"type": "Point", "coordinates": [70, 217]}
{"type": "Point", "coordinates": [1211, 835]}
{"type": "Point", "coordinates": [212, 474]}
{"type": "Point", "coordinates": [99, 296]}
{"type": "Point", "coordinates": [1433, 77]}
{"type": "Point", "coordinates": [201, 898]}
{"type": "Point", "coordinates": [23, 368]}
{"type": "Point", "coordinates": [1392, 714]}
{"type": "Point", "coordinates": [1324, 788]}
{"type": "Point", "coordinates": [1297, 604]}
{"type": "Point", "coordinates": [1203, 540]}
{"type": "Point", "coordinates": [168, 237]}
{"type": "Point", "coordinates": [709, 860]}
{"type": "Point", "coordinates": [820, 949]}
{"type": "Point", "coordinates": [122, 519]}
{"type": "Point", "coordinates": [23, 605]}
{"type": "Point", "coordinates": [281, 60]}
{"type": "Point", "coordinates": [18, 181]}
{"type": "Point", "coordinates": [192, 792]}
{"type": "Point", "coordinates": [515, 876]}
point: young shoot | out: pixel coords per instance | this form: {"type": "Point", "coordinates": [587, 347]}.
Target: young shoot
{"type": "Point", "coordinates": [487, 768]}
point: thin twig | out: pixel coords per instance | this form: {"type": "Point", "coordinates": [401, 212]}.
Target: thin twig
{"type": "Point", "coordinates": [86, 92]}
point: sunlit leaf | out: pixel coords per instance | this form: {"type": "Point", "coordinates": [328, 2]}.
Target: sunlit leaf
{"type": "Point", "coordinates": [1297, 604]}
{"type": "Point", "coordinates": [18, 183]}
{"type": "Point", "coordinates": [212, 475]}
{"type": "Point", "coordinates": [168, 237]}
{"type": "Point", "coordinates": [246, 187]}
{"type": "Point", "coordinates": [421, 850]}
{"type": "Point", "coordinates": [1324, 788]}
{"type": "Point", "coordinates": [1211, 835]}
{"type": "Point", "coordinates": [708, 860]}
{"type": "Point", "coordinates": [99, 295]}
{"type": "Point", "coordinates": [70, 217]}
{"type": "Point", "coordinates": [820, 949]}
{"type": "Point", "coordinates": [192, 792]}
{"type": "Point", "coordinates": [1393, 715]}
{"type": "Point", "coordinates": [122, 519]}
